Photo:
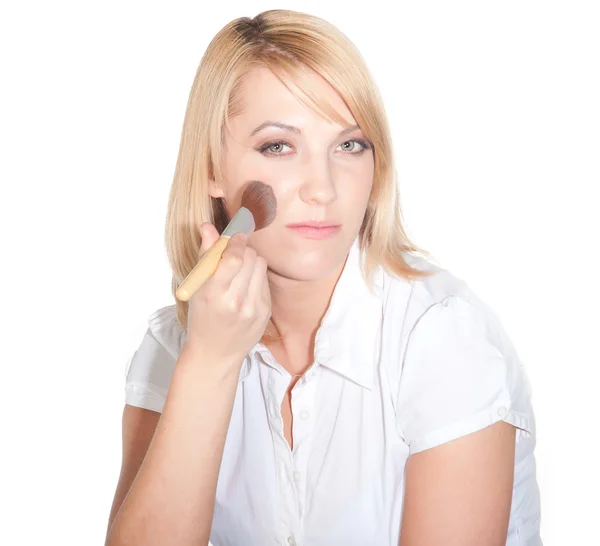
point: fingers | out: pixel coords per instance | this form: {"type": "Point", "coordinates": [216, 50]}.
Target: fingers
{"type": "Point", "coordinates": [231, 262]}
{"type": "Point", "coordinates": [241, 279]}
{"type": "Point", "coordinates": [258, 285]}
{"type": "Point", "coordinates": [209, 235]}
{"type": "Point", "coordinates": [238, 288]}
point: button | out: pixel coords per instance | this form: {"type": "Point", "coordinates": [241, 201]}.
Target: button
{"type": "Point", "coordinates": [291, 540]}
{"type": "Point", "coordinates": [502, 411]}
{"type": "Point", "coordinates": [304, 415]}
{"type": "Point", "coordinates": [296, 476]}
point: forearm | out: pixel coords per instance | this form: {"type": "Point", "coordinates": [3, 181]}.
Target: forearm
{"type": "Point", "coordinates": [171, 500]}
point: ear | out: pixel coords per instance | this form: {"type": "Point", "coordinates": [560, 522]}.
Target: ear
{"type": "Point", "coordinates": [214, 189]}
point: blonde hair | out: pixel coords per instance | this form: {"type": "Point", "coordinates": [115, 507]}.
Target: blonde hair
{"type": "Point", "coordinates": [288, 43]}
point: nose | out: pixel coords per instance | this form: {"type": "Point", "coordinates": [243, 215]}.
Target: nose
{"type": "Point", "coordinates": [317, 187]}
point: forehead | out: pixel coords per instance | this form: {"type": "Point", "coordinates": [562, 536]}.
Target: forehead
{"type": "Point", "coordinates": [265, 97]}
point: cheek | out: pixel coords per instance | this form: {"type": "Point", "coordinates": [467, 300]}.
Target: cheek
{"type": "Point", "coordinates": [355, 194]}
{"type": "Point", "coordinates": [244, 164]}
{"type": "Point", "coordinates": [356, 176]}
{"type": "Point", "coordinates": [283, 194]}
{"type": "Point", "coordinates": [274, 174]}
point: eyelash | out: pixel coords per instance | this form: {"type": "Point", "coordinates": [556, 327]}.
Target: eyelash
{"type": "Point", "coordinates": [264, 148]}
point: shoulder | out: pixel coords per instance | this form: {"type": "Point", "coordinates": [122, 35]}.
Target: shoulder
{"type": "Point", "coordinates": [406, 301]}
{"type": "Point", "coordinates": [452, 364]}
{"type": "Point", "coordinates": [165, 328]}
{"type": "Point", "coordinates": [149, 370]}
{"type": "Point", "coordinates": [441, 301]}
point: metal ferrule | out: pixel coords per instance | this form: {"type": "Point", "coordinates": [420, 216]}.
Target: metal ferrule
{"type": "Point", "coordinates": [243, 221]}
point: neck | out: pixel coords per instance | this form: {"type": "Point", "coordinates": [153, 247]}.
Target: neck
{"type": "Point", "coordinates": [297, 307]}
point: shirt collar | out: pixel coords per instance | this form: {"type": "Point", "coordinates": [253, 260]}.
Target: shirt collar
{"type": "Point", "coordinates": [345, 340]}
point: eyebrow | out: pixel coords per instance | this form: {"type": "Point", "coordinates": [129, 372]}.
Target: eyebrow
{"type": "Point", "coordinates": [280, 125]}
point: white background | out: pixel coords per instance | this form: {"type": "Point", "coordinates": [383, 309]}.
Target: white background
{"type": "Point", "coordinates": [494, 108]}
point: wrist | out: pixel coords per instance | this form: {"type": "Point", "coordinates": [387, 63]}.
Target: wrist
{"type": "Point", "coordinates": [219, 366]}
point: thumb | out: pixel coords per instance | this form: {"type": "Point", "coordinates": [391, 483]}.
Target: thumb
{"type": "Point", "coordinates": [209, 235]}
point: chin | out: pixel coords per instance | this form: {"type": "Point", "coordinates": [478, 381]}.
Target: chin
{"type": "Point", "coordinates": [306, 274]}
{"type": "Point", "coordinates": [308, 266]}
{"type": "Point", "coordinates": [300, 258]}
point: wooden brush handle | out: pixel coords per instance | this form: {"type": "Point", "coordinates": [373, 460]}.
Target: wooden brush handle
{"type": "Point", "coordinates": [203, 270]}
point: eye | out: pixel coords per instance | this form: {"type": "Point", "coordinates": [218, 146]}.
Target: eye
{"type": "Point", "coordinates": [352, 149]}
{"type": "Point", "coordinates": [273, 148]}
{"type": "Point", "coordinates": [276, 146]}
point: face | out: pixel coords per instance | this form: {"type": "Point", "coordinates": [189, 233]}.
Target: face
{"type": "Point", "coordinates": [318, 174]}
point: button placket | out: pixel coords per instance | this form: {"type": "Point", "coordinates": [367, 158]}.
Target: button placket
{"type": "Point", "coordinates": [303, 400]}
{"type": "Point", "coordinates": [276, 385]}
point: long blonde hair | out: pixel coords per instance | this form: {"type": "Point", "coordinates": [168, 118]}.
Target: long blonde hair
{"type": "Point", "coordinates": [286, 42]}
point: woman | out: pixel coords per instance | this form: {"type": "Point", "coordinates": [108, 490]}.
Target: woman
{"type": "Point", "coordinates": [327, 385]}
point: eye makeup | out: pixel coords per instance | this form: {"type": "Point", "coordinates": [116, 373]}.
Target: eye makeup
{"type": "Point", "coordinates": [264, 149]}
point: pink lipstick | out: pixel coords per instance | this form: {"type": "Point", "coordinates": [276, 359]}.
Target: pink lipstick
{"type": "Point", "coordinates": [315, 230]}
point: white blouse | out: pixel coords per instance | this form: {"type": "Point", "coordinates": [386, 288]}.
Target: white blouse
{"type": "Point", "coordinates": [403, 369]}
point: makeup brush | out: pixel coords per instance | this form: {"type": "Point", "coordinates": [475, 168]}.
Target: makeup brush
{"type": "Point", "coordinates": [256, 212]}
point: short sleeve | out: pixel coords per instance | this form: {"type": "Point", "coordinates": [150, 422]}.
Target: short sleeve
{"type": "Point", "coordinates": [460, 373]}
{"type": "Point", "coordinates": [148, 372]}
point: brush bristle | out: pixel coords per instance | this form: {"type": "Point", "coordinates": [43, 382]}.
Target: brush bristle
{"type": "Point", "coordinates": [260, 200]}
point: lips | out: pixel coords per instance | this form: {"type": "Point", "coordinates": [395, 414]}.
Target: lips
{"type": "Point", "coordinates": [315, 230]}
{"type": "Point", "coordinates": [313, 224]}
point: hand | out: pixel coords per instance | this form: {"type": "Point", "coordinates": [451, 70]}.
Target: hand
{"type": "Point", "coordinates": [228, 314]}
